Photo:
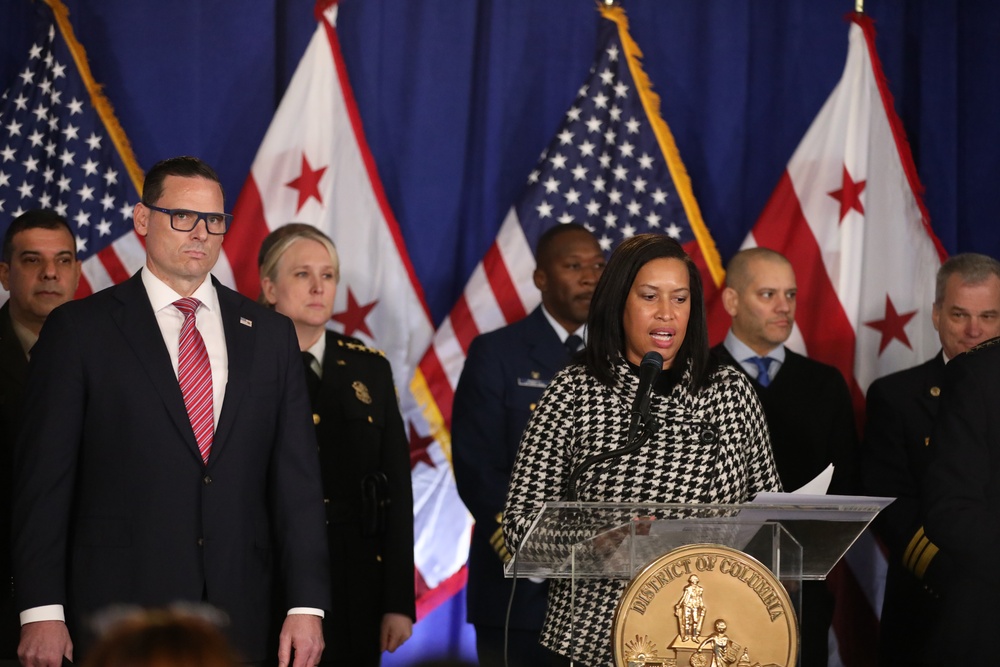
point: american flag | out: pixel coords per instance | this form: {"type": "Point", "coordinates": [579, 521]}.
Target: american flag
{"type": "Point", "coordinates": [62, 148]}
{"type": "Point", "coordinates": [613, 167]}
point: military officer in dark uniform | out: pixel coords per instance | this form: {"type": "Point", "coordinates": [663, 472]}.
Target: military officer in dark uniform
{"type": "Point", "coordinates": [901, 412]}
{"type": "Point", "coordinates": [364, 455]}
{"type": "Point", "coordinates": [504, 376]}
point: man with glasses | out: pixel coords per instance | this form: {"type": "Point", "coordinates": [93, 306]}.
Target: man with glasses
{"type": "Point", "coordinates": [167, 453]}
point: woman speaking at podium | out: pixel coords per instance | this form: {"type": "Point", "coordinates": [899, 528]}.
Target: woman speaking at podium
{"type": "Point", "coordinates": [708, 442]}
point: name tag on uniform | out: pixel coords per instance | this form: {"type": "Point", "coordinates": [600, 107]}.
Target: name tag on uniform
{"type": "Point", "coordinates": [534, 383]}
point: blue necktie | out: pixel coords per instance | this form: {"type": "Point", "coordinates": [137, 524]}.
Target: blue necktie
{"type": "Point", "coordinates": [763, 364]}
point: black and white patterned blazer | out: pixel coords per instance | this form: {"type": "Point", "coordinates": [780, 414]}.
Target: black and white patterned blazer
{"type": "Point", "coordinates": [579, 417]}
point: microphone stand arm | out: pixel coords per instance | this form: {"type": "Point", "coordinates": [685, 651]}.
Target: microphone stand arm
{"type": "Point", "coordinates": [648, 429]}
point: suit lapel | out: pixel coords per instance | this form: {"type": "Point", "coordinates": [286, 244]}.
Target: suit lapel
{"type": "Point", "coordinates": [239, 349]}
{"type": "Point", "coordinates": [137, 322]}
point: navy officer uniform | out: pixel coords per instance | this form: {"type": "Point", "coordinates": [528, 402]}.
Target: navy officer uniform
{"type": "Point", "coordinates": [504, 376]}
{"type": "Point", "coordinates": [901, 408]}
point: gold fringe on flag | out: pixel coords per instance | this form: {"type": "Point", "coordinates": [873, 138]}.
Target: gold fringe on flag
{"type": "Point", "coordinates": [651, 103]}
{"type": "Point", "coordinates": [97, 98]}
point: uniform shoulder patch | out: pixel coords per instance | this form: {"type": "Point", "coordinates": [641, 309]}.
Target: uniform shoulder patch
{"type": "Point", "coordinates": [985, 345]}
{"type": "Point", "coordinates": [357, 346]}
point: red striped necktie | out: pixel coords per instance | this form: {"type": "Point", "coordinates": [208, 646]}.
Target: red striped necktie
{"type": "Point", "coordinates": [194, 373]}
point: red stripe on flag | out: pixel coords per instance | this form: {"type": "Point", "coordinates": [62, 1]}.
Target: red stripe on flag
{"type": "Point", "coordinates": [440, 389]}
{"type": "Point", "coordinates": [113, 265]}
{"type": "Point", "coordinates": [370, 168]}
{"type": "Point", "coordinates": [715, 315]}
{"type": "Point", "coordinates": [428, 599]}
{"type": "Point", "coordinates": [502, 286]}
{"type": "Point", "coordinates": [83, 289]}
{"type": "Point", "coordinates": [242, 242]}
{"type": "Point", "coordinates": [462, 323]}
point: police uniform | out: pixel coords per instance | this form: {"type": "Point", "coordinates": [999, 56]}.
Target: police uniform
{"type": "Point", "coordinates": [365, 465]}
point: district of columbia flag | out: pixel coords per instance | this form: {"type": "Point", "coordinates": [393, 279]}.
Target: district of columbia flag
{"type": "Point", "coordinates": [314, 166]}
{"type": "Point", "coordinates": [62, 148]}
{"type": "Point", "coordinates": [848, 214]}
{"type": "Point", "coordinates": [612, 166]}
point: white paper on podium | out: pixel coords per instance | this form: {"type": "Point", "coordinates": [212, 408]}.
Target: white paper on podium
{"type": "Point", "coordinates": [819, 485]}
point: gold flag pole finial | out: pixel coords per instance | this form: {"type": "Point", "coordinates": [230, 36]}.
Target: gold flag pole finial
{"type": "Point", "coordinates": [859, 6]}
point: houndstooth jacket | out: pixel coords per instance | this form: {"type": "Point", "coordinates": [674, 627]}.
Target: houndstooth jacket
{"type": "Point", "coordinates": [578, 417]}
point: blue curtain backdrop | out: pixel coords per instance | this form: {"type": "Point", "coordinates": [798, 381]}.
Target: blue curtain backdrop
{"type": "Point", "coordinates": [458, 97]}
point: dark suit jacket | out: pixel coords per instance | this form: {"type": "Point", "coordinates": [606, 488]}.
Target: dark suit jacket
{"type": "Point", "coordinates": [13, 370]}
{"type": "Point", "coordinates": [960, 499]}
{"type": "Point", "coordinates": [112, 501]}
{"type": "Point", "coordinates": [901, 408]}
{"type": "Point", "coordinates": [504, 375]}
{"type": "Point", "coordinates": [811, 421]}
{"type": "Point", "coordinates": [361, 434]}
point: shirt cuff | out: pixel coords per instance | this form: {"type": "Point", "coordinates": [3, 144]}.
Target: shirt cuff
{"type": "Point", "coordinates": [49, 612]}
{"type": "Point", "coordinates": [303, 610]}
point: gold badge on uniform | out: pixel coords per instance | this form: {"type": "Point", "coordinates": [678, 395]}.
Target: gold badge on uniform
{"type": "Point", "coordinates": [701, 605]}
{"type": "Point", "coordinates": [361, 391]}
{"type": "Point", "coordinates": [935, 391]}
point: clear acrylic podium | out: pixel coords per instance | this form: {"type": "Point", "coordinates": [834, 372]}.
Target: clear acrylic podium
{"type": "Point", "coordinates": [797, 540]}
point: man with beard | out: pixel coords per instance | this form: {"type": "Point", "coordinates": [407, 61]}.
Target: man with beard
{"type": "Point", "coordinates": [504, 376]}
{"type": "Point", "coordinates": [807, 403]}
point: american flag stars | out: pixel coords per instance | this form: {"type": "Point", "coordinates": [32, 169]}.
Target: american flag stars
{"type": "Point", "coordinates": [604, 168]}
{"type": "Point", "coordinates": [55, 152]}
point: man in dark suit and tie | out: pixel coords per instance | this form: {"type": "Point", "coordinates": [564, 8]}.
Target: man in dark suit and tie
{"type": "Point", "coordinates": [504, 375]}
{"type": "Point", "coordinates": [807, 403]}
{"type": "Point", "coordinates": [896, 453]}
{"type": "Point", "coordinates": [40, 271]}
{"type": "Point", "coordinates": [166, 453]}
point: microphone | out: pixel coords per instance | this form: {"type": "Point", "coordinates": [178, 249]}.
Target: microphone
{"type": "Point", "coordinates": [649, 368]}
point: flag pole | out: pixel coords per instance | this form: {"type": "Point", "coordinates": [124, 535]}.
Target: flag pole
{"type": "Point", "coordinates": [859, 6]}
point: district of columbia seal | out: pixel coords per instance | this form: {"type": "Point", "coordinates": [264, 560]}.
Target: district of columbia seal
{"type": "Point", "coordinates": [705, 605]}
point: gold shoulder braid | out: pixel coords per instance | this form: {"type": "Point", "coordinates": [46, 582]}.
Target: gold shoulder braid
{"type": "Point", "coordinates": [986, 344]}
{"type": "Point", "coordinates": [359, 347]}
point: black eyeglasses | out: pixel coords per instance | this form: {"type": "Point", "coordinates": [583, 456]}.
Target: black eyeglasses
{"type": "Point", "coordinates": [184, 220]}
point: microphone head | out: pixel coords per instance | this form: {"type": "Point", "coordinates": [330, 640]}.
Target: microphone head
{"type": "Point", "coordinates": [652, 359]}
